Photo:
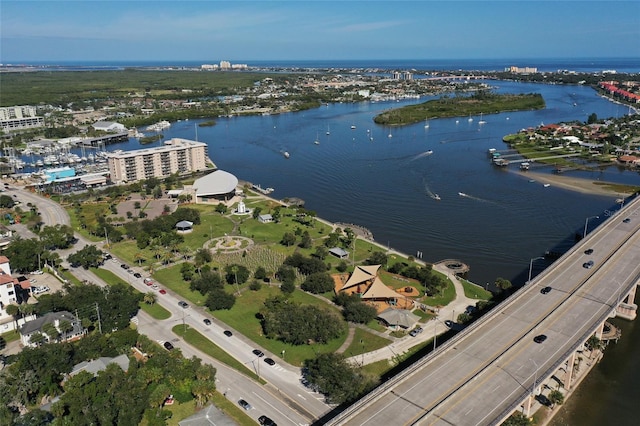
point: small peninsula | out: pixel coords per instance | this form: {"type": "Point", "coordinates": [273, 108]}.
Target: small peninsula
{"type": "Point", "coordinates": [482, 102]}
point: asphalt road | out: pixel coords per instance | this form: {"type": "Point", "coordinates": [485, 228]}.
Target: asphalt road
{"type": "Point", "coordinates": [284, 398]}
{"type": "Point", "coordinates": [484, 373]}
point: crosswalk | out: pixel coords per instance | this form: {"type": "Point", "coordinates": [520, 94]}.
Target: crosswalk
{"type": "Point", "coordinates": [135, 320]}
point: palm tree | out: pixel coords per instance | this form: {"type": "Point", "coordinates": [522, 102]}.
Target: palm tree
{"type": "Point", "coordinates": [37, 338]}
{"type": "Point", "coordinates": [65, 327]}
{"type": "Point", "coordinates": [139, 257]}
{"type": "Point", "coordinates": [150, 298]}
{"type": "Point", "coordinates": [13, 310]}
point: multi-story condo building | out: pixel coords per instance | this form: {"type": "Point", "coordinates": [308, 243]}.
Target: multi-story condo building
{"type": "Point", "coordinates": [19, 117]}
{"type": "Point", "coordinates": [178, 155]}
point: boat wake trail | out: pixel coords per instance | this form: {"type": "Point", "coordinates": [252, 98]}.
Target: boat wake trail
{"type": "Point", "coordinates": [471, 197]}
{"type": "Point", "coordinates": [430, 193]}
{"type": "Point", "coordinates": [421, 155]}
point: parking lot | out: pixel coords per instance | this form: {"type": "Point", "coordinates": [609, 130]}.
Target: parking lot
{"type": "Point", "coordinates": [43, 280]}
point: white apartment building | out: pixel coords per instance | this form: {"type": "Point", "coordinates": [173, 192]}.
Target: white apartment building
{"type": "Point", "coordinates": [19, 117]}
{"type": "Point", "coordinates": [178, 155]}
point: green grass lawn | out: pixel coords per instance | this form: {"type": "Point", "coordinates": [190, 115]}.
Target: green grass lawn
{"type": "Point", "coordinates": [447, 296]}
{"type": "Point", "coordinates": [10, 336]}
{"type": "Point", "coordinates": [172, 279]}
{"type": "Point", "coordinates": [207, 346]}
{"type": "Point", "coordinates": [242, 317]}
{"type": "Point", "coordinates": [364, 342]}
{"type": "Point", "coordinates": [474, 291]}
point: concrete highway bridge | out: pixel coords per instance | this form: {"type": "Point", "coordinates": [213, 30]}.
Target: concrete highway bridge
{"type": "Point", "coordinates": [495, 367]}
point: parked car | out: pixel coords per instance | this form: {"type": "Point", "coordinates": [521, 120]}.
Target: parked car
{"type": "Point", "coordinates": [269, 361]}
{"type": "Point", "coordinates": [258, 353]}
{"type": "Point", "coordinates": [137, 275]}
{"type": "Point", "coordinates": [147, 281]}
{"type": "Point", "coordinates": [588, 251]}
{"type": "Point", "coordinates": [415, 331]}
{"type": "Point", "coordinates": [627, 220]}
{"type": "Point", "coordinates": [244, 404]}
{"type": "Point", "coordinates": [168, 346]}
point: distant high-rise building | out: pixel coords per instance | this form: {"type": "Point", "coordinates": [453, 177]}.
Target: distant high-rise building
{"type": "Point", "coordinates": [178, 155]}
{"type": "Point", "coordinates": [225, 65]}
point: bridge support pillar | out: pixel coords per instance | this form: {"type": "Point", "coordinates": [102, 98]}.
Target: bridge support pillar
{"type": "Point", "coordinates": [599, 331]}
{"type": "Point", "coordinates": [569, 374]}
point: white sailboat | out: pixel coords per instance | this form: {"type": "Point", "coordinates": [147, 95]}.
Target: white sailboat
{"type": "Point", "coordinates": [481, 120]}
{"type": "Point", "coordinates": [317, 141]}
{"type": "Point", "coordinates": [328, 130]}
{"type": "Point", "coordinates": [426, 123]}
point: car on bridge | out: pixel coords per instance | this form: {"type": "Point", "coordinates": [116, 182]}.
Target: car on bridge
{"type": "Point", "coordinates": [545, 290]}
{"type": "Point", "coordinates": [588, 251]}
{"type": "Point", "coordinates": [540, 338]}
{"type": "Point", "coordinates": [588, 264]}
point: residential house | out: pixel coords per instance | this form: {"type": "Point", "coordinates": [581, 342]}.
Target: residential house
{"type": "Point", "coordinates": [55, 318]}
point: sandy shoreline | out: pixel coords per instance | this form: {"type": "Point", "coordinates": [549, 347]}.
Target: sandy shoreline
{"type": "Point", "coordinates": [585, 186]}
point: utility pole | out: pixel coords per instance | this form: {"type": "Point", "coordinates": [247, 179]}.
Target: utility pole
{"type": "Point", "coordinates": [99, 321]}
{"type": "Point", "coordinates": [106, 235]}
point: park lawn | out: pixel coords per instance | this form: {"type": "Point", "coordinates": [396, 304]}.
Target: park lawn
{"type": "Point", "coordinates": [374, 324]}
{"type": "Point", "coordinates": [196, 339]}
{"type": "Point", "coordinates": [397, 282]}
{"type": "Point", "coordinates": [171, 278]}
{"type": "Point", "coordinates": [88, 210]}
{"type": "Point", "coordinates": [211, 225]}
{"type": "Point", "coordinates": [242, 317]}
{"type": "Point", "coordinates": [474, 291]}
{"type": "Point", "coordinates": [443, 299]}
{"type": "Point", "coordinates": [364, 342]}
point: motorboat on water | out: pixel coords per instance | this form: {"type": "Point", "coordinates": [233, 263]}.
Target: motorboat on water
{"type": "Point", "coordinates": [286, 154]}
{"type": "Point", "coordinates": [546, 185]}
{"type": "Point", "coordinates": [436, 197]}
{"type": "Point", "coordinates": [462, 194]}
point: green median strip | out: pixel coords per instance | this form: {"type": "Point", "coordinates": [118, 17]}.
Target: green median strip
{"type": "Point", "coordinates": [205, 345]}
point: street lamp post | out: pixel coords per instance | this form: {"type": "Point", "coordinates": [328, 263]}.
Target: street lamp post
{"type": "Point", "coordinates": [531, 266]}
{"type": "Point", "coordinates": [586, 222]}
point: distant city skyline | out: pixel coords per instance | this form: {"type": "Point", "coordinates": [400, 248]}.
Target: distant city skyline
{"type": "Point", "coordinates": [241, 31]}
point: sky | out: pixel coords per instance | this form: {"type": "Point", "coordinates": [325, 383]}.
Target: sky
{"type": "Point", "coordinates": [241, 31]}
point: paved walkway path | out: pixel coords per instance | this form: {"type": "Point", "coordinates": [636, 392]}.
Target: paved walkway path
{"type": "Point", "coordinates": [348, 340]}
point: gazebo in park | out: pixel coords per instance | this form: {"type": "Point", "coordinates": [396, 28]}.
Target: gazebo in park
{"type": "Point", "coordinates": [184, 226]}
{"type": "Point", "coordinates": [398, 318]}
{"type": "Point", "coordinates": [364, 282]}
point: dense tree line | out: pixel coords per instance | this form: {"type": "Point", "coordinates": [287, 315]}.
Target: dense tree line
{"type": "Point", "coordinates": [114, 306]}
{"type": "Point", "coordinates": [112, 396]}
{"type": "Point", "coordinates": [298, 324]}
{"type": "Point", "coordinates": [340, 382]}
